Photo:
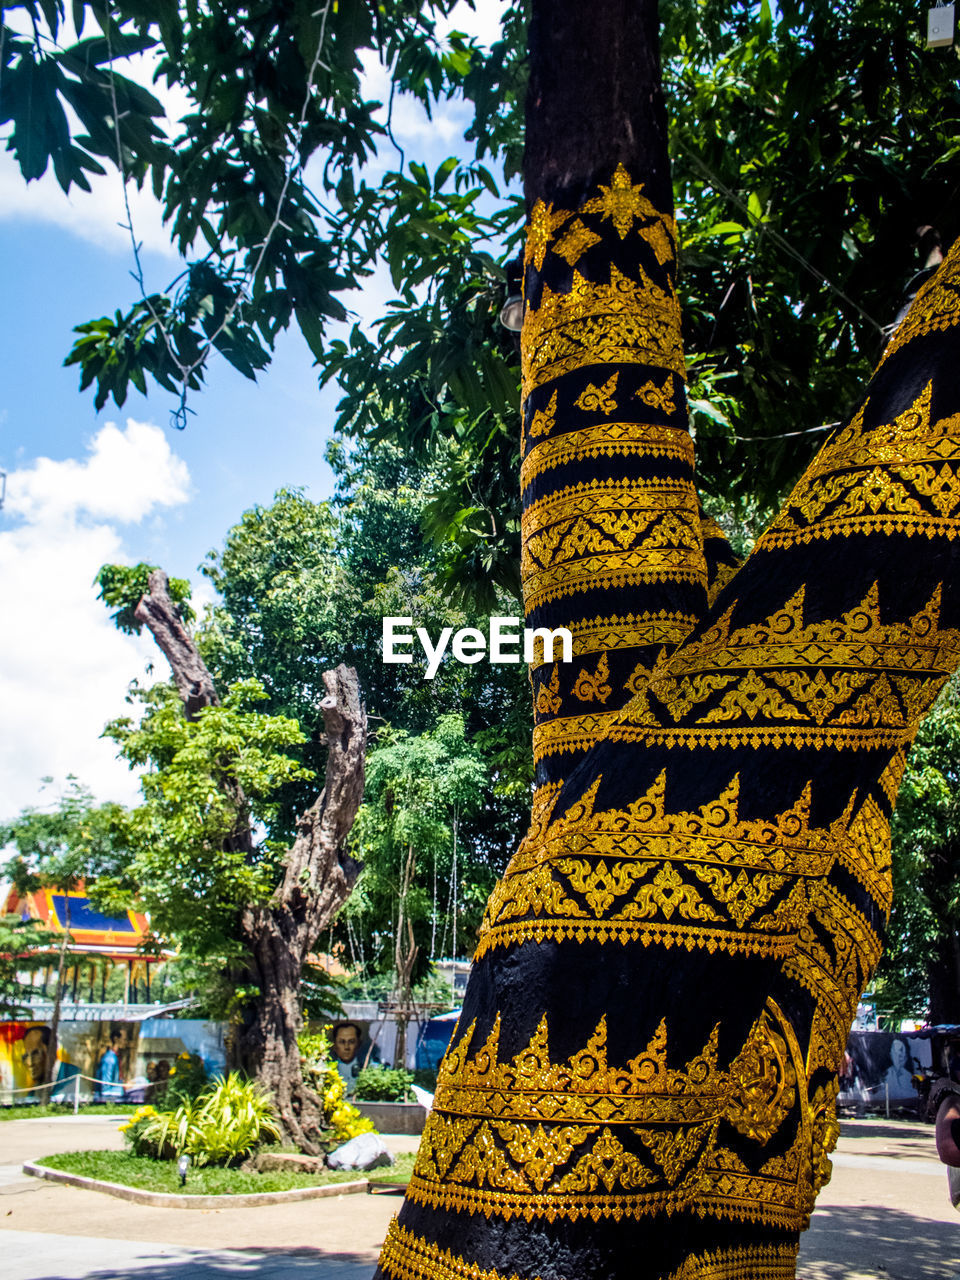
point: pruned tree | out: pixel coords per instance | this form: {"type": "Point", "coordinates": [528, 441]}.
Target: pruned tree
{"type": "Point", "coordinates": [208, 876]}
{"type": "Point", "coordinates": [646, 1064]}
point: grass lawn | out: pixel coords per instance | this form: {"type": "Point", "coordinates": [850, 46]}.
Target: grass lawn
{"type": "Point", "coordinates": [45, 1110]}
{"type": "Point", "coordinates": [161, 1175]}
{"type": "Point", "coordinates": [399, 1171]}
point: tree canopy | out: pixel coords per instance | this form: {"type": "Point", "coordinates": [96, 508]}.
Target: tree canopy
{"type": "Point", "coordinates": [809, 144]}
{"type": "Point", "coordinates": [301, 587]}
{"type": "Point", "coordinates": [920, 969]}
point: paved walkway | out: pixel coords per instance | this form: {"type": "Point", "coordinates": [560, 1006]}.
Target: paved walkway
{"type": "Point", "coordinates": [29, 1255]}
{"type": "Point", "coordinates": [885, 1215]}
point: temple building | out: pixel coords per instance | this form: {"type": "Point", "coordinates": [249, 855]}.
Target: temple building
{"type": "Point", "coordinates": [99, 946]}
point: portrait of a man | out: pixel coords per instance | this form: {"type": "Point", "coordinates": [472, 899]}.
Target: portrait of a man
{"type": "Point", "coordinates": [345, 1039]}
{"type": "Point", "coordinates": [34, 1048]}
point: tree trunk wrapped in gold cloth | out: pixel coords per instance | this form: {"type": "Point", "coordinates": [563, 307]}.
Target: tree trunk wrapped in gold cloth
{"type": "Point", "coordinates": [644, 1075]}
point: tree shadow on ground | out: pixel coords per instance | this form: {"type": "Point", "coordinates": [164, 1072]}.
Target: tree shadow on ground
{"type": "Point", "coordinates": [261, 1264]}
{"type": "Point", "coordinates": [853, 1241]}
{"type": "Point", "coordinates": [884, 1129]}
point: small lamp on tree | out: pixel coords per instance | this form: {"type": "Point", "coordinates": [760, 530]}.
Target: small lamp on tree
{"type": "Point", "coordinates": [511, 313]}
{"type": "Point", "coordinates": [940, 26]}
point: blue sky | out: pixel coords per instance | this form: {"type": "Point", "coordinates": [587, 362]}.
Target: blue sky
{"type": "Point", "coordinates": [81, 491]}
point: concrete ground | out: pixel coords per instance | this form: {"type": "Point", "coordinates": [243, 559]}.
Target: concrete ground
{"type": "Point", "coordinates": [885, 1215]}
{"type": "Point", "coordinates": [886, 1211]}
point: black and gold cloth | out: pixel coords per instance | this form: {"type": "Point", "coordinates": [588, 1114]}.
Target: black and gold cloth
{"type": "Point", "coordinates": [643, 1079]}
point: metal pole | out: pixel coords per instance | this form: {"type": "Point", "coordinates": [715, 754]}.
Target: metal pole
{"type": "Point", "coordinates": [76, 1093]}
{"type": "Point", "coordinates": [887, 1090]}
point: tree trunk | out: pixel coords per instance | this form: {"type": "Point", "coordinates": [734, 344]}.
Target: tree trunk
{"type": "Point", "coordinates": [268, 1045]}
{"type": "Point", "coordinates": [318, 877]}
{"type": "Point", "coordinates": [317, 872]}
{"type": "Point", "coordinates": [50, 1071]}
{"type": "Point", "coordinates": [405, 958]}
{"type": "Point", "coordinates": [646, 1063]}
{"type": "Point", "coordinates": [158, 613]}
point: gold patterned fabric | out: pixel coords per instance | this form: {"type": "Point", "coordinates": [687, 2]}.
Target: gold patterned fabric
{"type": "Point", "coordinates": [646, 1063]}
{"type": "Point", "coordinates": [610, 510]}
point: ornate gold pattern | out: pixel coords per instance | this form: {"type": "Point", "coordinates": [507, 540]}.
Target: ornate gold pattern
{"type": "Point", "coordinates": [892, 776]}
{"type": "Point", "coordinates": [606, 439]}
{"type": "Point", "coordinates": [549, 701]}
{"type": "Point", "coordinates": [544, 420]}
{"type": "Point", "coordinates": [545, 222]}
{"type": "Point", "coordinates": [901, 477]}
{"type": "Point", "coordinates": [599, 399]}
{"type": "Point", "coordinates": [618, 533]}
{"type": "Point", "coordinates": [592, 686]}
{"type": "Point", "coordinates": [872, 683]}
{"type": "Point", "coordinates": [624, 203]}
{"type": "Point", "coordinates": [935, 308]}
{"type": "Point", "coordinates": [570, 733]}
{"type": "Point", "coordinates": [723, 574]}
{"type": "Point", "coordinates": [743, 1138]}
{"type": "Point", "coordinates": [658, 397]}
{"type": "Point", "coordinates": [575, 242]}
{"type": "Point", "coordinates": [707, 879]}
{"type": "Point", "coordinates": [628, 631]}
{"type": "Point", "coordinates": [752, 1262]}
{"type": "Point", "coordinates": [406, 1257]}
{"type": "Point", "coordinates": [834, 972]}
{"type": "Point", "coordinates": [623, 322]}
{"type": "Point", "coordinates": [533, 1137]}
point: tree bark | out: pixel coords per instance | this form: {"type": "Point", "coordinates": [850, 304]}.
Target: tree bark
{"type": "Point", "coordinates": [318, 874]}
{"type": "Point", "coordinates": [318, 877]}
{"type": "Point", "coordinates": [158, 613]}
{"type": "Point", "coordinates": [646, 1063]}
{"type": "Point", "coordinates": [51, 1064]}
{"type": "Point", "coordinates": [404, 957]}
{"type": "Point", "coordinates": [594, 100]}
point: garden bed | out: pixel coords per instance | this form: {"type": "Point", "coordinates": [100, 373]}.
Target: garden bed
{"type": "Point", "coordinates": [393, 1117]}
{"type": "Point", "coordinates": [157, 1182]}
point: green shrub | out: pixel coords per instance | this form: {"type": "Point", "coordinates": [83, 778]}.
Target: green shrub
{"type": "Point", "coordinates": [186, 1081]}
{"type": "Point", "coordinates": [383, 1084]}
{"type": "Point", "coordinates": [137, 1131]}
{"type": "Point", "coordinates": [221, 1126]}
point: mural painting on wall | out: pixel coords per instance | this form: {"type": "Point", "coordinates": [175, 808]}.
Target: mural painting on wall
{"type": "Point", "coordinates": [355, 1046]}
{"type": "Point", "coordinates": [882, 1064]}
{"type": "Point", "coordinates": [115, 1061]}
{"type": "Point", "coordinates": [103, 1054]}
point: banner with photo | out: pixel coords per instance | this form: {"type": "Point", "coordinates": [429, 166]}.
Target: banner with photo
{"type": "Point", "coordinates": [882, 1064]}
{"type": "Point", "coordinates": [110, 1061]}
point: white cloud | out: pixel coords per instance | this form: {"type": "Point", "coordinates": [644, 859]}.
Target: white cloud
{"type": "Point", "coordinates": [98, 215]}
{"type": "Point", "coordinates": [94, 216]}
{"type": "Point", "coordinates": [64, 668]}
{"type": "Point", "coordinates": [482, 20]}
{"type": "Point", "coordinates": [127, 475]}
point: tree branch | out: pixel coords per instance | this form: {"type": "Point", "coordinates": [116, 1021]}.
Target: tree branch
{"type": "Point", "coordinates": [158, 613]}
{"type": "Point", "coordinates": [318, 876]}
